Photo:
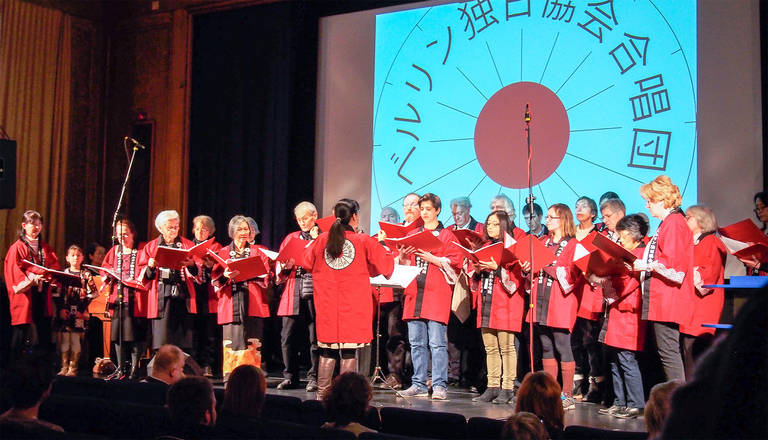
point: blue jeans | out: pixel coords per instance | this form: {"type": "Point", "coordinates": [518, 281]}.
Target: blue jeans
{"type": "Point", "coordinates": [420, 333]}
{"type": "Point", "coordinates": [626, 375]}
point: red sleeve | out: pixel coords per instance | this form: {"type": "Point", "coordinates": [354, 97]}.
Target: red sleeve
{"type": "Point", "coordinates": [675, 245]}
{"type": "Point", "coordinates": [709, 256]}
{"type": "Point", "coordinates": [15, 279]}
{"type": "Point", "coordinates": [380, 259]}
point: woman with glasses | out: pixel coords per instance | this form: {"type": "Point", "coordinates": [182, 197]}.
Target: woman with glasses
{"type": "Point", "coordinates": [556, 303]}
{"type": "Point", "coordinates": [171, 293]}
{"type": "Point", "coordinates": [667, 273]}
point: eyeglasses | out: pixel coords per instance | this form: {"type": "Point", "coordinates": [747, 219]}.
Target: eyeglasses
{"type": "Point", "coordinates": [551, 218]}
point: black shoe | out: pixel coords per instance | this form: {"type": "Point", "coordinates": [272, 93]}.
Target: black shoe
{"type": "Point", "coordinates": [504, 396]}
{"type": "Point", "coordinates": [488, 395]}
{"type": "Point", "coordinates": [578, 385]}
{"type": "Point", "coordinates": [629, 413]}
{"type": "Point", "coordinates": [311, 386]}
{"type": "Point", "coordinates": [287, 384]}
{"type": "Point", "coordinates": [596, 390]}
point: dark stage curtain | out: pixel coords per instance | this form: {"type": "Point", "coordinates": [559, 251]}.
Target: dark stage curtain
{"type": "Point", "coordinates": [252, 126]}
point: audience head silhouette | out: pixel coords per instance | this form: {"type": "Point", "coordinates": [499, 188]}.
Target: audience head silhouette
{"type": "Point", "coordinates": [540, 394]}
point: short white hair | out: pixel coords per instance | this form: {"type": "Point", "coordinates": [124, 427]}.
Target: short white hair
{"type": "Point", "coordinates": [461, 201]}
{"type": "Point", "coordinates": [235, 222]}
{"type": "Point", "coordinates": [508, 205]}
{"type": "Point", "coordinates": [164, 217]}
{"type": "Point", "coordinates": [305, 205]}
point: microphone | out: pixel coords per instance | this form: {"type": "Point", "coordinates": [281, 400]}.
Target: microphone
{"type": "Point", "coordinates": [527, 114]}
{"type": "Point", "coordinates": [134, 142]}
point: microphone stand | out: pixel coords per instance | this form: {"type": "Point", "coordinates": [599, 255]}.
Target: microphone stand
{"type": "Point", "coordinates": [531, 212]}
{"type": "Point", "coordinates": [119, 370]}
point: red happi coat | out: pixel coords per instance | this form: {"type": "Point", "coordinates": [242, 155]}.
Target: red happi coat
{"type": "Point", "coordinates": [258, 305]}
{"type": "Point", "coordinates": [667, 300]}
{"type": "Point", "coordinates": [434, 303]}
{"type": "Point", "coordinates": [709, 257]}
{"type": "Point", "coordinates": [342, 287]}
{"type": "Point", "coordinates": [139, 296]}
{"type": "Point", "coordinates": [20, 288]}
{"type": "Point", "coordinates": [149, 251]}
{"type": "Point", "coordinates": [624, 328]}
{"type": "Point", "coordinates": [505, 308]}
{"type": "Point", "coordinates": [590, 295]}
{"type": "Point", "coordinates": [289, 301]}
{"type": "Point", "coordinates": [557, 308]}
{"type": "Point", "coordinates": [200, 281]}
{"type": "Point", "coordinates": [473, 225]}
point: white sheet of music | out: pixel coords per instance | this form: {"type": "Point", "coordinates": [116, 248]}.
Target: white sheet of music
{"type": "Point", "coordinates": [401, 277]}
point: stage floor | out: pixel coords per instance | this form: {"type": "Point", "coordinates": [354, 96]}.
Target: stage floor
{"type": "Point", "coordinates": [460, 402]}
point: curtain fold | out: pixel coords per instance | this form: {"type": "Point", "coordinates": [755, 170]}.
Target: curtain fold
{"type": "Point", "coordinates": [35, 101]}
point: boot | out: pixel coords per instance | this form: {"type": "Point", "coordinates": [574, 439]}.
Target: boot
{"type": "Point", "coordinates": [489, 394]}
{"type": "Point", "coordinates": [134, 371]}
{"type": "Point", "coordinates": [348, 365]}
{"type": "Point", "coordinates": [596, 389]}
{"type": "Point", "coordinates": [73, 363]}
{"type": "Point", "coordinates": [505, 396]}
{"type": "Point", "coordinates": [324, 375]}
{"type": "Point", "coordinates": [64, 363]}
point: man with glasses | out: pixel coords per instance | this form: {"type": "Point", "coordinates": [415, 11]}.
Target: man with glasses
{"type": "Point", "coordinates": [611, 211]}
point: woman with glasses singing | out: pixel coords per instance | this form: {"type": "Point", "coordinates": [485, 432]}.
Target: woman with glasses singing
{"type": "Point", "coordinates": [754, 265]}
{"type": "Point", "coordinates": [667, 273]}
{"type": "Point", "coordinates": [556, 301]}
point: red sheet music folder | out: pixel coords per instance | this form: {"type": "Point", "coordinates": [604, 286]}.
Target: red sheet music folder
{"type": "Point", "coordinates": [397, 230]}
{"type": "Point", "coordinates": [424, 240]}
{"type": "Point", "coordinates": [249, 268]}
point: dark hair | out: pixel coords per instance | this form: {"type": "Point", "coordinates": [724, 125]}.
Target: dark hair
{"type": "Point", "coordinates": [503, 224]}
{"type": "Point", "coordinates": [524, 426]}
{"type": "Point", "coordinates": [187, 401]}
{"type": "Point", "coordinates": [540, 394]}
{"type": "Point", "coordinates": [245, 391]}
{"type": "Point", "coordinates": [608, 195]}
{"type": "Point", "coordinates": [30, 216]}
{"type": "Point", "coordinates": [127, 223]}
{"type": "Point", "coordinates": [763, 197]}
{"type": "Point", "coordinates": [592, 205]}
{"type": "Point", "coordinates": [536, 209]}
{"type": "Point", "coordinates": [91, 248]}
{"type": "Point", "coordinates": [73, 247]}
{"type": "Point", "coordinates": [28, 380]}
{"type": "Point", "coordinates": [429, 197]}
{"type": "Point", "coordinates": [635, 224]}
{"type": "Point", "coordinates": [348, 398]}
{"type": "Point", "coordinates": [343, 210]}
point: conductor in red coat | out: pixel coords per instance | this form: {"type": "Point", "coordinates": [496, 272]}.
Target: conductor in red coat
{"type": "Point", "coordinates": [709, 255]}
{"type": "Point", "coordinates": [342, 262]}
{"type": "Point", "coordinates": [667, 273]}
{"type": "Point", "coordinates": [171, 294]}
{"type": "Point", "coordinates": [29, 294]}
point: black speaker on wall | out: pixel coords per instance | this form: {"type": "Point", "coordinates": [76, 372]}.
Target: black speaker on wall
{"type": "Point", "coordinates": [7, 174]}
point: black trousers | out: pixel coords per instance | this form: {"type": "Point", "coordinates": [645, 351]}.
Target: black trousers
{"type": "Point", "coordinates": [207, 339]}
{"type": "Point", "coordinates": [587, 350]}
{"type": "Point", "coordinates": [290, 338]}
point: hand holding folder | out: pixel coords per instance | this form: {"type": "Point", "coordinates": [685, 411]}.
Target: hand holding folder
{"type": "Point", "coordinates": [172, 258]}
{"type": "Point", "coordinates": [112, 275]}
{"type": "Point", "coordinates": [541, 255]}
{"type": "Point", "coordinates": [745, 241]}
{"type": "Point", "coordinates": [294, 250]}
{"type": "Point", "coordinates": [424, 240]}
{"type": "Point", "coordinates": [59, 277]}
{"type": "Point", "coordinates": [244, 269]}
{"type": "Point", "coordinates": [468, 238]}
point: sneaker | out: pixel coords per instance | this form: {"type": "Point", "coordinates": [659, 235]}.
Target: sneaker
{"type": "Point", "coordinates": [415, 391]}
{"type": "Point", "coordinates": [311, 386]}
{"type": "Point", "coordinates": [568, 402]}
{"type": "Point", "coordinates": [504, 396]}
{"type": "Point", "coordinates": [489, 394]}
{"type": "Point", "coordinates": [629, 413]}
{"type": "Point", "coordinates": [439, 393]}
{"type": "Point", "coordinates": [612, 410]}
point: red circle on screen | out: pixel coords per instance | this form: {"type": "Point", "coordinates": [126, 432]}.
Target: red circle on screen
{"type": "Point", "coordinates": [500, 142]}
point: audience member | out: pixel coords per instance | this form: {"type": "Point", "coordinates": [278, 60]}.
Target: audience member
{"type": "Point", "coordinates": [244, 397]}
{"type": "Point", "coordinates": [168, 365]}
{"type": "Point", "coordinates": [728, 396]}
{"type": "Point", "coordinates": [346, 403]}
{"type": "Point", "coordinates": [540, 394]}
{"type": "Point", "coordinates": [524, 426]}
{"type": "Point", "coordinates": [28, 384]}
{"type": "Point", "coordinates": [192, 408]}
{"type": "Point", "coordinates": [658, 406]}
